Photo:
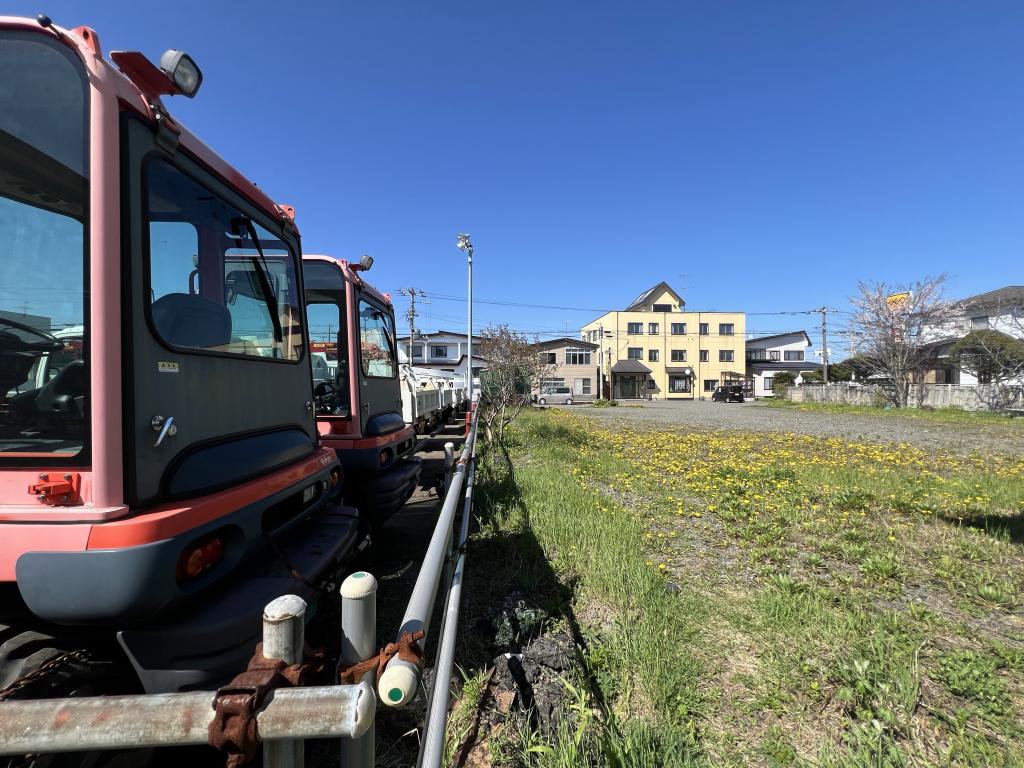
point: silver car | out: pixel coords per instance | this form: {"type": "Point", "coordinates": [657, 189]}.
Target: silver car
{"type": "Point", "coordinates": [555, 395]}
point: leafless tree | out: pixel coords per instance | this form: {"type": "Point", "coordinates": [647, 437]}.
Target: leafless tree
{"type": "Point", "coordinates": [514, 370]}
{"type": "Point", "coordinates": [895, 327]}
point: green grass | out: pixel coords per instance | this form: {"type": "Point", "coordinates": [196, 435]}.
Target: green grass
{"type": "Point", "coordinates": [936, 415]}
{"type": "Point", "coordinates": [773, 610]}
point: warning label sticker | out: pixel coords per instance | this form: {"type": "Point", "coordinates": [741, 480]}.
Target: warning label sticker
{"type": "Point", "coordinates": [167, 367]}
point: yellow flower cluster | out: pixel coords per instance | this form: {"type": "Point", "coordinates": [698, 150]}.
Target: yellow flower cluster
{"type": "Point", "coordinates": [769, 486]}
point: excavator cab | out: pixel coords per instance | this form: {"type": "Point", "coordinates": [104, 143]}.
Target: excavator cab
{"type": "Point", "coordinates": [357, 391]}
{"type": "Point", "coordinates": [161, 473]}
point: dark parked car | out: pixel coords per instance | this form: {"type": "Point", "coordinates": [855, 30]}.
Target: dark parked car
{"type": "Point", "coordinates": [731, 393]}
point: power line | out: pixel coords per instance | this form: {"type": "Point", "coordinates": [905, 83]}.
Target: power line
{"type": "Point", "coordinates": [524, 305]}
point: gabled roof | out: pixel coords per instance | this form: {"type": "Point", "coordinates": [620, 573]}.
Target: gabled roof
{"type": "Point", "coordinates": [1007, 296]}
{"type": "Point", "coordinates": [647, 297]}
{"type": "Point", "coordinates": [779, 336]}
{"type": "Point", "coordinates": [565, 341]}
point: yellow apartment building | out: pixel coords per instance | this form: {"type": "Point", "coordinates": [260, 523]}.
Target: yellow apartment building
{"type": "Point", "coordinates": [656, 349]}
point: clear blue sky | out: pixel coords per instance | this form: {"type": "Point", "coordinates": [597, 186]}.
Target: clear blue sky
{"type": "Point", "coordinates": [759, 156]}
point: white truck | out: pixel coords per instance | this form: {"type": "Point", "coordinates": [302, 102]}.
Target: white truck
{"type": "Point", "coordinates": [429, 397]}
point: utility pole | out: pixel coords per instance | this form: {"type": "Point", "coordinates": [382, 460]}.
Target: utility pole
{"type": "Point", "coordinates": [410, 315]}
{"type": "Point", "coordinates": [824, 343]}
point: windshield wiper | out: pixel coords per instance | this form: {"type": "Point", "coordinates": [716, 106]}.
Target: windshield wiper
{"type": "Point", "coordinates": [263, 273]}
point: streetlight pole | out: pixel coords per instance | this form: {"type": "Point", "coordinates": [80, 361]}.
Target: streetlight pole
{"type": "Point", "coordinates": [464, 244]}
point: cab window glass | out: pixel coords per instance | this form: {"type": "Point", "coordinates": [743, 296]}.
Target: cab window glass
{"type": "Point", "coordinates": [218, 281]}
{"type": "Point", "coordinates": [44, 235]}
{"type": "Point", "coordinates": [376, 341]}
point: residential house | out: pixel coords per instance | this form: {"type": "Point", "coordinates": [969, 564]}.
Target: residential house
{"type": "Point", "coordinates": [443, 350]}
{"type": "Point", "coordinates": [1000, 310]}
{"type": "Point", "coordinates": [569, 363]}
{"type": "Point", "coordinates": [782, 352]}
{"type": "Point", "coordinates": [655, 348]}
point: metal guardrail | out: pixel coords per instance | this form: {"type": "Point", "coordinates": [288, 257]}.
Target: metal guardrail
{"type": "Point", "coordinates": [179, 719]}
{"type": "Point", "coordinates": [290, 714]}
{"type": "Point", "coordinates": [400, 680]}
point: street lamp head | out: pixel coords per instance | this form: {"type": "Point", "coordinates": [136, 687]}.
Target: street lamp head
{"type": "Point", "coordinates": [464, 243]}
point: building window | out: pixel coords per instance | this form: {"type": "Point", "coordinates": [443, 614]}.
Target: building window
{"type": "Point", "coordinates": [773, 354]}
{"type": "Point", "coordinates": [979, 323]}
{"type": "Point", "coordinates": [704, 356]}
{"type": "Point", "coordinates": [704, 329]}
{"type": "Point", "coordinates": [581, 386]}
{"type": "Point", "coordinates": [756, 354]}
{"type": "Point", "coordinates": [725, 356]}
{"type": "Point", "coordinates": [794, 354]}
{"type": "Point", "coordinates": [548, 358]}
{"type": "Point", "coordinates": [652, 329]}
{"type": "Point", "coordinates": [710, 384]}
{"type": "Point", "coordinates": [634, 329]}
{"type": "Point", "coordinates": [768, 381]}
{"type": "Point", "coordinates": [417, 350]}
{"type": "Point", "coordinates": [577, 356]}
{"type": "Point", "coordinates": [726, 329]}
{"type": "Point", "coordinates": [439, 350]}
{"type": "Point", "coordinates": [635, 353]}
{"type": "Point", "coordinates": [652, 355]}
{"type": "Point", "coordinates": [652, 384]}
{"type": "Point", "coordinates": [678, 384]}
{"type": "Point", "coordinates": [678, 329]}
{"type": "Point", "coordinates": [678, 355]}
{"type": "Point", "coordinates": [662, 308]}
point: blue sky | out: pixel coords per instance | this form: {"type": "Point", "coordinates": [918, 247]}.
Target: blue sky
{"type": "Point", "coordinates": [759, 156]}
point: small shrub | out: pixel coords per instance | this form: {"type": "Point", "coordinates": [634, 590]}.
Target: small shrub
{"type": "Point", "coordinates": [781, 381]}
{"type": "Point", "coordinates": [882, 566]}
{"type": "Point", "coordinates": [997, 594]}
{"type": "Point", "coordinates": [972, 676]}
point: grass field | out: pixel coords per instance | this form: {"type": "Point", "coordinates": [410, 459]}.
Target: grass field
{"type": "Point", "coordinates": [753, 599]}
{"type": "Point", "coordinates": [934, 415]}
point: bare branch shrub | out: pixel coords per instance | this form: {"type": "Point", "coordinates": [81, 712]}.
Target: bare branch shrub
{"type": "Point", "coordinates": [514, 370]}
{"type": "Point", "coordinates": [895, 335]}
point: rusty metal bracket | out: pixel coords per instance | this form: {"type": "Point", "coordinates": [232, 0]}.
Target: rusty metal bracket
{"type": "Point", "coordinates": [407, 648]}
{"type": "Point", "coordinates": [233, 729]}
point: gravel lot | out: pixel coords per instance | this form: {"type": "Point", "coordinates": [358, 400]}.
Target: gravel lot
{"type": "Point", "coordinates": [983, 437]}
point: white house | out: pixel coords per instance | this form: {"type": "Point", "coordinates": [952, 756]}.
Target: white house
{"type": "Point", "coordinates": [445, 351]}
{"type": "Point", "coordinates": [783, 352]}
{"type": "Point", "coordinates": [1000, 310]}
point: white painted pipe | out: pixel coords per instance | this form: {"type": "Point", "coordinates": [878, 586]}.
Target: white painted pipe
{"type": "Point", "coordinates": [359, 642]}
{"type": "Point", "coordinates": [398, 684]}
{"type": "Point", "coordinates": [176, 719]}
{"type": "Point", "coordinates": [284, 630]}
{"type": "Point", "coordinates": [437, 710]}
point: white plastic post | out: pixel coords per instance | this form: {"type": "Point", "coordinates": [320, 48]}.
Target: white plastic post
{"type": "Point", "coordinates": [358, 642]}
{"type": "Point", "coordinates": [284, 627]}
{"type": "Point", "coordinates": [449, 461]}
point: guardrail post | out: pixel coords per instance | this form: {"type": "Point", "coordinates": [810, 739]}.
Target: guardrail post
{"type": "Point", "coordinates": [284, 635]}
{"type": "Point", "coordinates": [449, 461]}
{"type": "Point", "coordinates": [358, 642]}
